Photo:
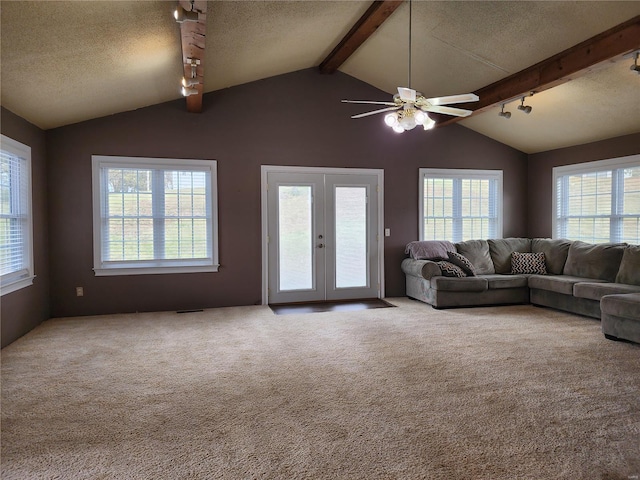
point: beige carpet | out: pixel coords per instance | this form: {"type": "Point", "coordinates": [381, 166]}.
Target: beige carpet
{"type": "Point", "coordinates": [410, 392]}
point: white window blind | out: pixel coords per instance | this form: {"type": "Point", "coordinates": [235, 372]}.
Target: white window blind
{"type": "Point", "coordinates": [154, 215]}
{"type": "Point", "coordinates": [16, 245]}
{"type": "Point", "coordinates": [598, 202]}
{"type": "Point", "coordinates": [458, 205]}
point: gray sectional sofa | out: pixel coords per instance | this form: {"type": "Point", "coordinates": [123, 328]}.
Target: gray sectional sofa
{"type": "Point", "coordinates": [596, 280]}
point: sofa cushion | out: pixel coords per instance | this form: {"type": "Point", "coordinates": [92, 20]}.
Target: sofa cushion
{"type": "Point", "coordinates": [595, 291]}
{"type": "Point", "coordinates": [625, 306]}
{"type": "Point", "coordinates": [467, 284]}
{"type": "Point", "coordinates": [448, 269]}
{"type": "Point", "coordinates": [630, 266]}
{"type": "Point", "coordinates": [501, 249]}
{"type": "Point", "coordinates": [555, 252]}
{"type": "Point", "coordinates": [497, 281]}
{"type": "Point", "coordinates": [600, 261]}
{"type": "Point", "coordinates": [558, 283]}
{"type": "Point", "coordinates": [528, 263]}
{"type": "Point", "coordinates": [429, 249]}
{"type": "Point", "coordinates": [463, 262]}
{"type": "Point", "coordinates": [477, 251]}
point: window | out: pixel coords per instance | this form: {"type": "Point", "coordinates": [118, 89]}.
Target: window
{"type": "Point", "coordinates": [154, 216]}
{"type": "Point", "coordinates": [16, 222]}
{"type": "Point", "coordinates": [598, 202]}
{"type": "Point", "coordinates": [458, 205]}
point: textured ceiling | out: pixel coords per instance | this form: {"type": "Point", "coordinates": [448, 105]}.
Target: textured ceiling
{"type": "Point", "coordinates": [65, 62]}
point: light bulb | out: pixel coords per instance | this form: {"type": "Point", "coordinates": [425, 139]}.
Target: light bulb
{"type": "Point", "coordinates": [398, 128]}
{"type": "Point", "coordinates": [408, 122]}
{"type": "Point", "coordinates": [391, 119]}
{"type": "Point", "coordinates": [420, 117]}
{"type": "Point", "coordinates": [429, 123]}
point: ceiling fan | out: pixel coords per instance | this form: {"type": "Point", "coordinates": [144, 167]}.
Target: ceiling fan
{"type": "Point", "coordinates": [409, 108]}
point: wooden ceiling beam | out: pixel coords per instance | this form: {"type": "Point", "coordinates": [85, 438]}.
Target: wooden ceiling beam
{"type": "Point", "coordinates": [375, 15]}
{"type": "Point", "coordinates": [595, 53]}
{"type": "Point", "coordinates": [193, 35]}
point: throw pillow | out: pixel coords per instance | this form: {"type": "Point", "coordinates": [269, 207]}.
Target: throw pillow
{"type": "Point", "coordinates": [448, 269]}
{"type": "Point", "coordinates": [462, 262]}
{"type": "Point", "coordinates": [528, 263]}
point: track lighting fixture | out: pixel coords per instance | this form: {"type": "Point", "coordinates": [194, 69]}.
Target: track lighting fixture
{"type": "Point", "coordinates": [525, 108]}
{"type": "Point", "coordinates": [181, 15]}
{"type": "Point", "coordinates": [190, 82]}
{"type": "Point", "coordinates": [635, 67]}
{"type": "Point", "coordinates": [503, 113]}
{"type": "Point", "coordinates": [187, 91]}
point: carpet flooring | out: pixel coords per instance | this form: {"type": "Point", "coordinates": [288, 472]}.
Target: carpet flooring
{"type": "Point", "coordinates": [514, 392]}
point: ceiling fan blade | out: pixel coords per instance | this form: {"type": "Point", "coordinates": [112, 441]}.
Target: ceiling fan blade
{"type": "Point", "coordinates": [456, 112]}
{"type": "Point", "coordinates": [407, 94]}
{"type": "Point", "coordinates": [463, 98]}
{"type": "Point", "coordinates": [369, 102]}
{"type": "Point", "coordinates": [374, 112]}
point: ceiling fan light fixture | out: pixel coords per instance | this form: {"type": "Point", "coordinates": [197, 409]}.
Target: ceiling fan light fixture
{"type": "Point", "coordinates": [429, 123]}
{"type": "Point", "coordinates": [391, 119]}
{"type": "Point", "coordinates": [398, 128]}
{"type": "Point", "coordinates": [420, 117]}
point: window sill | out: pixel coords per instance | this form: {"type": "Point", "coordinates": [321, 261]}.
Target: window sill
{"type": "Point", "coordinates": [114, 271]}
{"type": "Point", "coordinates": [17, 285]}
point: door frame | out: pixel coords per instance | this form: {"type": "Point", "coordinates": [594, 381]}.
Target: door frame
{"type": "Point", "coordinates": [266, 169]}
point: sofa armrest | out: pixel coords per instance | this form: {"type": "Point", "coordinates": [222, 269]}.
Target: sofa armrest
{"type": "Point", "coordinates": [421, 268]}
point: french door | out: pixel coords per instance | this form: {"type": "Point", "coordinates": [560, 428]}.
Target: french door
{"type": "Point", "coordinates": [322, 235]}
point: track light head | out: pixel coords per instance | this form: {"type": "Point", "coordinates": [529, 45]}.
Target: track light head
{"type": "Point", "coordinates": [188, 91]}
{"type": "Point", "coordinates": [189, 82]}
{"type": "Point", "coordinates": [181, 15]}
{"type": "Point", "coordinates": [525, 108]}
{"type": "Point", "coordinates": [635, 67]}
{"type": "Point", "coordinates": [504, 114]}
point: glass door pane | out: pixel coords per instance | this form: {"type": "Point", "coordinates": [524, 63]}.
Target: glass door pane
{"type": "Point", "coordinates": [295, 242]}
{"type": "Point", "coordinates": [351, 237]}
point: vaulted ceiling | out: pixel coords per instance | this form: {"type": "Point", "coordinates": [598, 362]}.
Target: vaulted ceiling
{"type": "Point", "coordinates": [65, 62]}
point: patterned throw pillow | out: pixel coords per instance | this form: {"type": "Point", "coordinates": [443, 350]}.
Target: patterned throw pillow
{"type": "Point", "coordinates": [528, 263]}
{"type": "Point", "coordinates": [450, 270]}
{"type": "Point", "coordinates": [463, 262]}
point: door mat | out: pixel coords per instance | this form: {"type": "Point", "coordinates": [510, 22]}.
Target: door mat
{"type": "Point", "coordinates": [338, 306]}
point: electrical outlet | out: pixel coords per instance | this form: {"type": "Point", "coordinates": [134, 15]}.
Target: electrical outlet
{"type": "Point", "coordinates": [387, 232]}
{"type": "Point", "coordinates": [79, 292]}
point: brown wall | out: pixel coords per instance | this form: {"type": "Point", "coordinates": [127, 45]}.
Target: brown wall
{"type": "Point", "coordinates": [541, 171]}
{"type": "Point", "coordinates": [24, 309]}
{"type": "Point", "coordinates": [292, 119]}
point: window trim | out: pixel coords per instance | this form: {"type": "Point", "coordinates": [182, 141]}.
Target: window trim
{"type": "Point", "coordinates": [14, 281]}
{"type": "Point", "coordinates": [461, 173]}
{"type": "Point", "coordinates": [585, 168]}
{"type": "Point", "coordinates": [152, 267]}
